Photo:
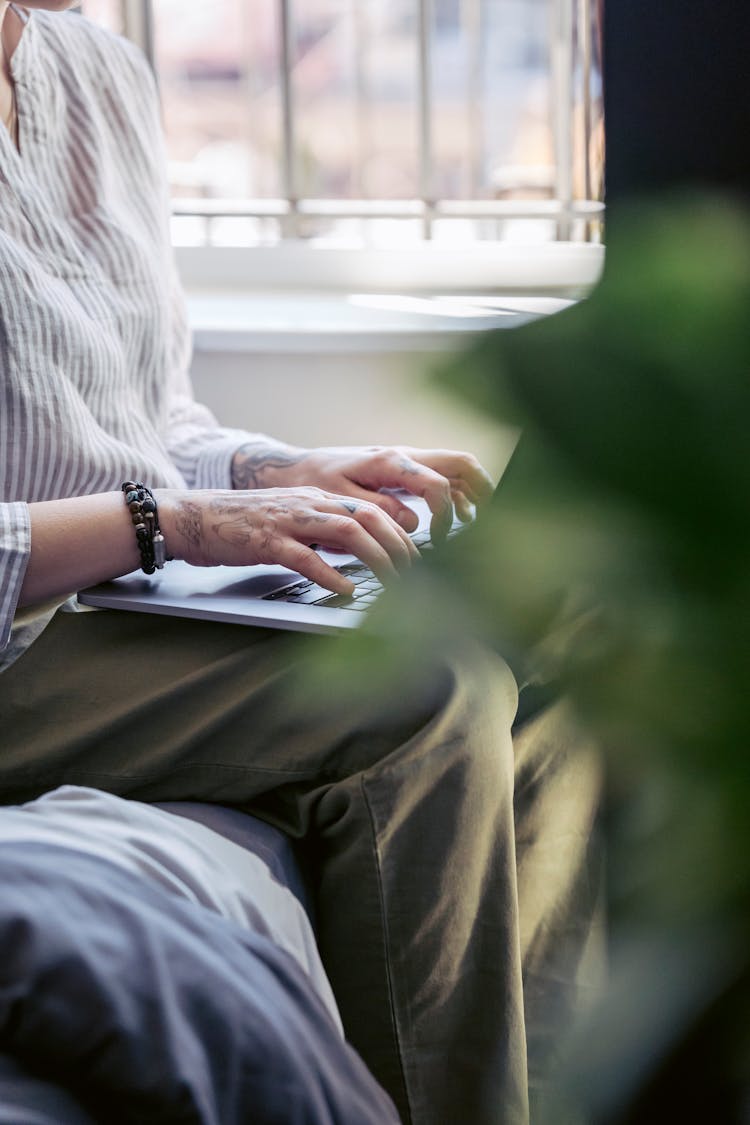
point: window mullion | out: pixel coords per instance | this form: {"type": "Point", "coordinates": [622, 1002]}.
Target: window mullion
{"type": "Point", "coordinates": [562, 106]}
{"type": "Point", "coordinates": [288, 118]}
{"type": "Point", "coordinates": [138, 24]}
{"type": "Point", "coordinates": [474, 22]}
{"type": "Point", "coordinates": [426, 155]}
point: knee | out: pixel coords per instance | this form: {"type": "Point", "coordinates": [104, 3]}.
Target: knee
{"type": "Point", "coordinates": [464, 737]}
{"type": "Point", "coordinates": [482, 704]}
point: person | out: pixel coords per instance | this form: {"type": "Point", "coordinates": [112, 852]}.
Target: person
{"type": "Point", "coordinates": [405, 807]}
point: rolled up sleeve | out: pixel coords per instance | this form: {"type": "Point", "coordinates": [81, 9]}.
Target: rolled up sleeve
{"type": "Point", "coordinates": [15, 547]}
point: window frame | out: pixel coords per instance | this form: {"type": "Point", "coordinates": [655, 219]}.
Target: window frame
{"type": "Point", "coordinates": [558, 267]}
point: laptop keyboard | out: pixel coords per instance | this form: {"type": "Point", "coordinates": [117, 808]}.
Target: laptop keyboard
{"type": "Point", "coordinates": [367, 586]}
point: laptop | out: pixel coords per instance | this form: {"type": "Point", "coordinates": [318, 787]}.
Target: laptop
{"type": "Point", "coordinates": [271, 596]}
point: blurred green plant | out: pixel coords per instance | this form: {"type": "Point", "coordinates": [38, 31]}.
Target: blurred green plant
{"type": "Point", "coordinates": [616, 562]}
{"type": "Point", "coordinates": [634, 494]}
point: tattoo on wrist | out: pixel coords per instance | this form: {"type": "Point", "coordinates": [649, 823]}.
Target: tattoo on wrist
{"type": "Point", "coordinates": [254, 459]}
{"type": "Point", "coordinates": [189, 522]}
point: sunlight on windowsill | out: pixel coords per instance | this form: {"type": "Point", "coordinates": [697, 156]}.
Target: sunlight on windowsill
{"type": "Point", "coordinates": [289, 322]}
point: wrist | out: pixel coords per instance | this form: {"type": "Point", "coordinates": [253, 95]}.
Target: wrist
{"type": "Point", "coordinates": [168, 501]}
{"type": "Point", "coordinates": [181, 515]}
{"type": "Point", "coordinates": [266, 463]}
{"type": "Point", "coordinates": [144, 514]}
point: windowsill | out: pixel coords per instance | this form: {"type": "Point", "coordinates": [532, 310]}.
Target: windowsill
{"type": "Point", "coordinates": [294, 297]}
{"type": "Point", "coordinates": [293, 323]}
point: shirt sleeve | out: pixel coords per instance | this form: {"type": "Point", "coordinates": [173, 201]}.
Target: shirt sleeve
{"type": "Point", "coordinates": [15, 547]}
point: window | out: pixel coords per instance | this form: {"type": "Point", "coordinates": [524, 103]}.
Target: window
{"type": "Point", "coordinates": [376, 123]}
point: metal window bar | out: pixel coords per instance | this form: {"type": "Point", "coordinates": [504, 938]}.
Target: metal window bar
{"type": "Point", "coordinates": [359, 14]}
{"type": "Point", "coordinates": [138, 24]}
{"type": "Point", "coordinates": [473, 19]}
{"type": "Point", "coordinates": [426, 163]}
{"type": "Point", "coordinates": [562, 108]}
{"type": "Point", "coordinates": [289, 147]}
{"type": "Point", "coordinates": [586, 210]}
{"type": "Point", "coordinates": [584, 22]}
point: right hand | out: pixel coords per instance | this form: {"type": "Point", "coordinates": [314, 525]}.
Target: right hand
{"type": "Point", "coordinates": [279, 526]}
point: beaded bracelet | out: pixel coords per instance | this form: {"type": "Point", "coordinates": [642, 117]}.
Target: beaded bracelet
{"type": "Point", "coordinates": [145, 517]}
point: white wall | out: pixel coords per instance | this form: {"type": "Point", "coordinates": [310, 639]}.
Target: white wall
{"type": "Point", "coordinates": [352, 366]}
{"type": "Point", "coordinates": [343, 398]}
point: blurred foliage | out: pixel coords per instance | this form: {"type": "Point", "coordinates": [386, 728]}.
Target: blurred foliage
{"type": "Point", "coordinates": [615, 560]}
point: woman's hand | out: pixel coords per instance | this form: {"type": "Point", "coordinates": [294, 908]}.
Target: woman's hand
{"type": "Point", "coordinates": [444, 478]}
{"type": "Point", "coordinates": [280, 526]}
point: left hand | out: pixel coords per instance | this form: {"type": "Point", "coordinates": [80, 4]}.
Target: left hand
{"type": "Point", "coordinates": [443, 477]}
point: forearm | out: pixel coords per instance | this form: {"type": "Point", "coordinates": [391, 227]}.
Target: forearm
{"type": "Point", "coordinates": [77, 542]}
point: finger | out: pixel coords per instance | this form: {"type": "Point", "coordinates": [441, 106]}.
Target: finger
{"type": "Point", "coordinates": [480, 482]}
{"type": "Point", "coordinates": [464, 509]}
{"type": "Point", "coordinates": [321, 524]}
{"type": "Point", "coordinates": [392, 468]}
{"type": "Point", "coordinates": [435, 489]}
{"type": "Point", "coordinates": [463, 468]}
{"type": "Point", "coordinates": [347, 533]}
{"type": "Point", "coordinates": [404, 516]}
{"type": "Point", "coordinates": [388, 533]}
{"type": "Point", "coordinates": [303, 559]}
{"type": "Point", "coordinates": [458, 485]}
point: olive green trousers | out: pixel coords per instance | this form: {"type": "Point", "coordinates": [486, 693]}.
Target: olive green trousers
{"type": "Point", "coordinates": [449, 869]}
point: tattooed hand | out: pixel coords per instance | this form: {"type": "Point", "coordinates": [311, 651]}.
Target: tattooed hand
{"type": "Point", "coordinates": [442, 477]}
{"type": "Point", "coordinates": [279, 525]}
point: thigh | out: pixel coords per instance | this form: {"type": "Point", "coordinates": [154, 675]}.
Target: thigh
{"type": "Point", "coordinates": [164, 708]}
{"type": "Point", "coordinates": [403, 792]}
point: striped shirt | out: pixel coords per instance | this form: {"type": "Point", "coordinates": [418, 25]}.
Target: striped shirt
{"type": "Point", "coordinates": [94, 343]}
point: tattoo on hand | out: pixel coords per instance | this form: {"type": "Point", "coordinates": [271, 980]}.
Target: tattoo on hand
{"type": "Point", "coordinates": [409, 466]}
{"type": "Point", "coordinates": [238, 531]}
{"type": "Point", "coordinates": [236, 524]}
{"type": "Point", "coordinates": [240, 526]}
{"type": "Point", "coordinates": [350, 506]}
{"type": "Point", "coordinates": [253, 460]}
